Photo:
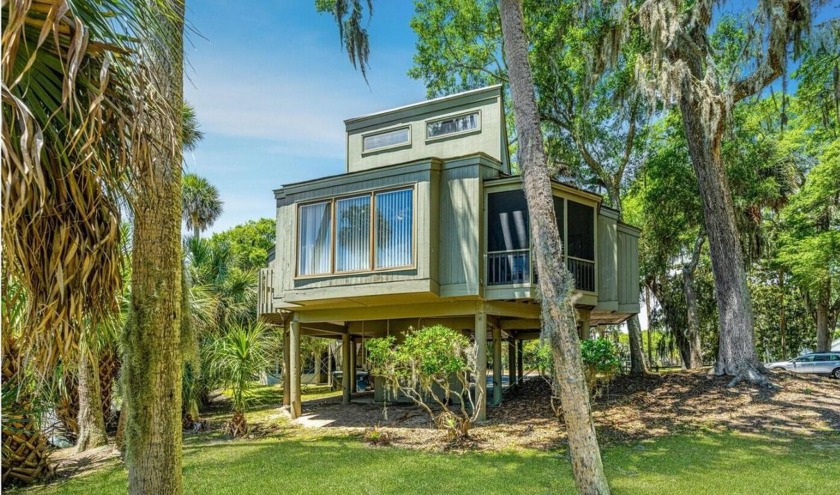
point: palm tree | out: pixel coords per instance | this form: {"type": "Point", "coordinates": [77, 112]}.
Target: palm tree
{"type": "Point", "coordinates": [25, 449]}
{"type": "Point", "coordinates": [152, 363]}
{"type": "Point", "coordinates": [69, 73]}
{"type": "Point", "coordinates": [201, 205]}
{"type": "Point", "coordinates": [67, 129]}
{"type": "Point", "coordinates": [236, 357]}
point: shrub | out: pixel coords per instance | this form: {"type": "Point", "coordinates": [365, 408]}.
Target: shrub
{"type": "Point", "coordinates": [423, 366]}
{"type": "Point", "coordinates": [600, 360]}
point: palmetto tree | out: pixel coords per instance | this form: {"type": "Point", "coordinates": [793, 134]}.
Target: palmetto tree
{"type": "Point", "coordinates": [235, 358]}
{"type": "Point", "coordinates": [70, 79]}
{"type": "Point", "coordinates": [69, 69]}
{"type": "Point", "coordinates": [201, 205]}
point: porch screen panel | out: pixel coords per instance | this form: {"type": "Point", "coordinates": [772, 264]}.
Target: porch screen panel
{"type": "Point", "coordinates": [507, 221]}
{"type": "Point", "coordinates": [560, 214]}
{"type": "Point", "coordinates": [394, 217]}
{"type": "Point", "coordinates": [581, 231]}
{"type": "Point", "coordinates": [314, 239]}
{"type": "Point", "coordinates": [352, 232]}
{"type": "Point", "coordinates": [581, 258]}
{"type": "Point", "coordinates": [508, 239]}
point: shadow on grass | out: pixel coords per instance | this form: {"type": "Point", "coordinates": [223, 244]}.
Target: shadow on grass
{"type": "Point", "coordinates": [708, 463]}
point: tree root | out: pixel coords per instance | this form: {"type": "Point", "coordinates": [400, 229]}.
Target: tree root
{"type": "Point", "coordinates": [751, 374]}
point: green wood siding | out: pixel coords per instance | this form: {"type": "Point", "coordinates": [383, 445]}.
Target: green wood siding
{"type": "Point", "coordinates": [607, 261]}
{"type": "Point", "coordinates": [490, 138]}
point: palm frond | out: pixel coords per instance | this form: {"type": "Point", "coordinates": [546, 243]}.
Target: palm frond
{"type": "Point", "coordinates": [73, 83]}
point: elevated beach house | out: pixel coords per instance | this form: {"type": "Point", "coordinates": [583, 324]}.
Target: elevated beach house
{"type": "Point", "coordinates": [428, 225]}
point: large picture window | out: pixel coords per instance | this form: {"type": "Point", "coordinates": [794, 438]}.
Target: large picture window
{"type": "Point", "coordinates": [315, 239]}
{"type": "Point", "coordinates": [373, 231]}
{"type": "Point", "coordinates": [394, 220]}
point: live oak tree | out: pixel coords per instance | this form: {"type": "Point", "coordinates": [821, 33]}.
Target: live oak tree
{"type": "Point", "coordinates": [556, 282]}
{"type": "Point", "coordinates": [680, 69]}
{"type": "Point", "coordinates": [593, 118]}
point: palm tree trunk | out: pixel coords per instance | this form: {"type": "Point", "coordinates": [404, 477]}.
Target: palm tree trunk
{"type": "Point", "coordinates": [153, 367]}
{"type": "Point", "coordinates": [556, 283]}
{"type": "Point", "coordinates": [736, 355]}
{"type": "Point", "coordinates": [25, 452]}
{"type": "Point", "coordinates": [91, 421]}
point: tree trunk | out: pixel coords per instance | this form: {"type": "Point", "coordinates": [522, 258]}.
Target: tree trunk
{"type": "Point", "coordinates": [153, 364]}
{"type": "Point", "coordinates": [823, 337]}
{"type": "Point", "coordinates": [694, 359]}
{"type": "Point", "coordinates": [782, 316]}
{"type": "Point", "coordinates": [736, 355]}
{"type": "Point", "coordinates": [119, 438]}
{"type": "Point", "coordinates": [91, 421]}
{"type": "Point", "coordinates": [637, 356]}
{"type": "Point", "coordinates": [650, 328]}
{"type": "Point", "coordinates": [556, 283]}
{"type": "Point", "coordinates": [109, 372]}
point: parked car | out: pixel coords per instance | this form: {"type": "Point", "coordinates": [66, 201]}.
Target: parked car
{"type": "Point", "coordinates": [825, 363]}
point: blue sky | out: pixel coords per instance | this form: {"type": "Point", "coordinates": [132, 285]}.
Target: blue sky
{"type": "Point", "coordinates": [272, 87]}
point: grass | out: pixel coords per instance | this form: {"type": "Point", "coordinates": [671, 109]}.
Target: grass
{"type": "Point", "coordinates": [315, 461]}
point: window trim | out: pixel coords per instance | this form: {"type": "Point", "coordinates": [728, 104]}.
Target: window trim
{"type": "Point", "coordinates": [386, 130]}
{"type": "Point", "coordinates": [372, 269]}
{"type": "Point", "coordinates": [477, 130]}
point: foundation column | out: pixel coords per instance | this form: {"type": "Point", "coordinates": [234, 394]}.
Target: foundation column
{"type": "Point", "coordinates": [345, 368]}
{"type": "Point", "coordinates": [583, 320]}
{"type": "Point", "coordinates": [353, 364]}
{"type": "Point", "coordinates": [481, 365]}
{"type": "Point", "coordinates": [497, 365]}
{"type": "Point", "coordinates": [287, 368]}
{"type": "Point", "coordinates": [511, 362]}
{"type": "Point", "coordinates": [295, 367]}
{"type": "Point", "coordinates": [519, 361]}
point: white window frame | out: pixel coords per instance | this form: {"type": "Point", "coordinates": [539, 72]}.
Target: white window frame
{"type": "Point", "coordinates": [377, 132]}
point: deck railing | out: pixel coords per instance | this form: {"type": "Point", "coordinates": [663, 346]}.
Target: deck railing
{"type": "Point", "coordinates": [515, 267]}
{"type": "Point", "coordinates": [265, 291]}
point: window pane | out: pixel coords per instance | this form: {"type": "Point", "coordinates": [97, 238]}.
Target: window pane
{"type": "Point", "coordinates": [385, 139]}
{"type": "Point", "coordinates": [394, 219]}
{"type": "Point", "coordinates": [452, 125]}
{"type": "Point", "coordinates": [315, 239]}
{"type": "Point", "coordinates": [352, 232]}
{"type": "Point", "coordinates": [581, 231]}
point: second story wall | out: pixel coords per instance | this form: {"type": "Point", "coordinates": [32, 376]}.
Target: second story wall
{"type": "Point", "coordinates": [445, 128]}
{"type": "Point", "coordinates": [322, 223]}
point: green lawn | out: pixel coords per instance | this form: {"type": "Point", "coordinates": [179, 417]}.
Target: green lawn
{"type": "Point", "coordinates": [302, 461]}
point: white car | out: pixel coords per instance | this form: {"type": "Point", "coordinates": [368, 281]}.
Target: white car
{"type": "Point", "coordinates": [824, 363]}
